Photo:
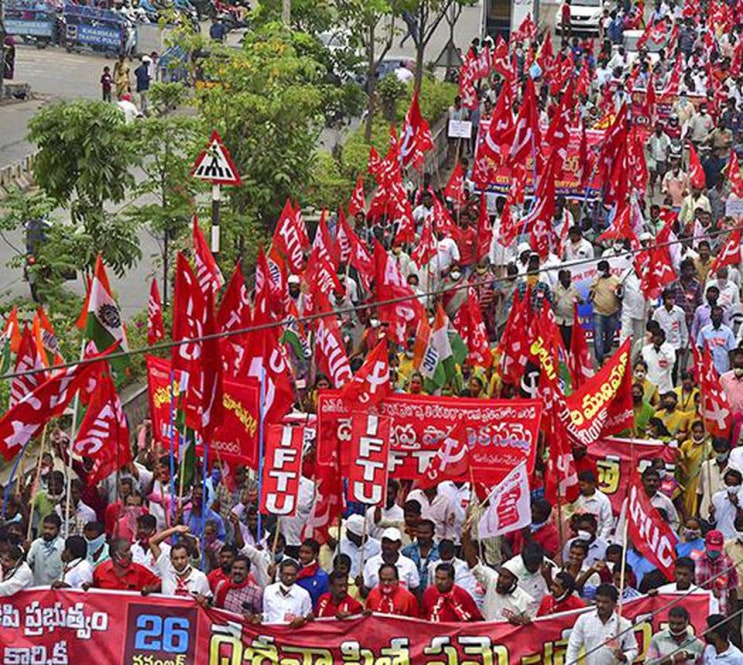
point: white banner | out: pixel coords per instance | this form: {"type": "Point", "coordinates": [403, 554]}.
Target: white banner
{"type": "Point", "coordinates": [509, 508]}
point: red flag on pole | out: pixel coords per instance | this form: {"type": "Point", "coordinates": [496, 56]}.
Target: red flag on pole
{"type": "Point", "coordinates": [452, 460]}
{"type": "Point", "coordinates": [371, 383]}
{"type": "Point", "coordinates": [357, 203]}
{"type": "Point", "coordinates": [155, 325]}
{"type": "Point", "coordinates": [281, 470]}
{"type": "Point", "coordinates": [696, 172]}
{"type": "Point", "coordinates": [733, 175]}
{"type": "Point", "coordinates": [104, 434]}
{"type": "Point", "coordinates": [208, 273]}
{"type": "Point", "coordinates": [370, 449]}
{"type": "Point", "coordinates": [730, 254]}
{"type": "Point", "coordinates": [29, 358]}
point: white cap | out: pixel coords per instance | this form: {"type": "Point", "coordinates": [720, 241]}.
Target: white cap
{"type": "Point", "coordinates": [293, 279]}
{"type": "Point", "coordinates": [511, 566]}
{"type": "Point", "coordinates": [355, 525]}
{"type": "Point", "coordinates": [645, 236]}
{"type": "Point", "coordinates": [391, 533]}
{"type": "Point", "coordinates": [523, 247]}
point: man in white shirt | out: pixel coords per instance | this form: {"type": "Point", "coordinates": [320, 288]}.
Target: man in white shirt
{"type": "Point", "coordinates": [727, 504]}
{"type": "Point", "coordinates": [729, 297]}
{"type": "Point", "coordinates": [593, 500]}
{"type": "Point", "coordinates": [80, 513]}
{"type": "Point", "coordinates": [45, 555]}
{"type": "Point", "coordinates": [141, 549]}
{"type": "Point", "coordinates": [378, 518]}
{"type": "Point", "coordinates": [291, 527]}
{"type": "Point", "coordinates": [606, 637]}
{"type": "Point", "coordinates": [17, 575]}
{"type": "Point", "coordinates": [447, 254]}
{"type": "Point", "coordinates": [719, 650]}
{"type": "Point", "coordinates": [285, 601]}
{"type": "Point", "coordinates": [77, 570]}
{"type": "Point", "coordinates": [578, 248]}
{"type": "Point", "coordinates": [528, 569]}
{"type": "Point", "coordinates": [504, 600]}
{"type": "Point", "coordinates": [463, 576]}
{"type": "Point", "coordinates": [357, 545]}
{"type": "Point", "coordinates": [406, 568]}
{"type": "Point", "coordinates": [179, 577]}
{"type": "Point", "coordinates": [683, 573]}
{"type": "Point", "coordinates": [651, 485]}
{"type": "Point", "coordinates": [672, 320]}
{"type": "Point", "coordinates": [660, 357]}
{"type": "Point", "coordinates": [438, 508]}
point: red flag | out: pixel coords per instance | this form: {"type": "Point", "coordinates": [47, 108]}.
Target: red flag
{"type": "Point", "coordinates": [390, 285]}
{"type": "Point", "coordinates": [27, 417]}
{"type": "Point", "coordinates": [415, 137]}
{"type": "Point", "coordinates": [374, 164]}
{"type": "Point", "coordinates": [471, 328]}
{"type": "Point", "coordinates": [514, 347]}
{"type": "Point", "coordinates": [696, 172]}
{"type": "Point", "coordinates": [321, 274]}
{"type": "Point", "coordinates": [104, 434]}
{"type": "Point", "coordinates": [210, 388]}
{"type": "Point", "coordinates": [328, 505]}
{"type": "Point", "coordinates": [371, 383]}
{"type": "Point", "coordinates": [234, 314]}
{"type": "Point", "coordinates": [29, 358]}
{"type": "Point", "coordinates": [502, 61]}
{"type": "Point", "coordinates": [716, 411]}
{"type": "Point", "coordinates": [269, 300]}
{"type": "Point", "coordinates": [323, 242]}
{"type": "Point", "coordinates": [654, 32]}
{"type": "Point", "coordinates": [525, 137]}
{"type": "Point", "coordinates": [583, 83]}
{"type": "Point", "coordinates": [155, 325]}
{"type": "Point", "coordinates": [674, 80]}
{"type": "Point", "coordinates": [484, 231]}
{"type": "Point", "coordinates": [620, 227]}
{"type": "Point", "coordinates": [357, 203]}
{"type": "Point", "coordinates": [208, 273]}
{"type": "Point", "coordinates": [282, 470]}
{"type": "Point", "coordinates": [730, 254]}
{"type": "Point", "coordinates": [452, 460]}
{"type": "Point", "coordinates": [655, 266]}
{"type": "Point", "coordinates": [733, 175]}
{"type": "Point", "coordinates": [354, 252]}
{"type": "Point", "coordinates": [558, 133]}
{"type": "Point", "coordinates": [330, 351]}
{"type": "Point", "coordinates": [648, 532]}
{"type": "Point", "coordinates": [502, 125]}
{"type": "Point", "coordinates": [189, 314]}
{"type": "Point", "coordinates": [539, 221]}
{"type": "Point", "coordinates": [370, 450]}
{"type": "Point", "coordinates": [46, 339]}
{"type": "Point", "coordinates": [454, 189]}
{"type": "Point", "coordinates": [615, 138]}
{"type": "Point", "coordinates": [290, 238]}
{"type": "Point", "coordinates": [426, 247]}
{"type": "Point", "coordinates": [580, 363]}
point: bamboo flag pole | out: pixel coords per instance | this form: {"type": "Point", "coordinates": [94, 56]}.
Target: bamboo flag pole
{"type": "Point", "coordinates": [34, 487]}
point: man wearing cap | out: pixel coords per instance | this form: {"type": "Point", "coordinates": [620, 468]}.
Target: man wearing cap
{"type": "Point", "coordinates": [406, 569]}
{"type": "Point", "coordinates": [715, 571]}
{"type": "Point", "coordinates": [359, 546]}
{"type": "Point", "coordinates": [504, 599]}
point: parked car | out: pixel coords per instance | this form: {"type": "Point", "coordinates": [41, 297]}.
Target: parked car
{"type": "Point", "coordinates": [585, 17]}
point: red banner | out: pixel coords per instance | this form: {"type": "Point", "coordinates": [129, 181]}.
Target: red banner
{"type": "Point", "coordinates": [663, 107]}
{"type": "Point", "coordinates": [122, 628]}
{"type": "Point", "coordinates": [500, 433]}
{"type": "Point", "coordinates": [647, 530]}
{"type": "Point", "coordinates": [370, 450]}
{"type": "Point", "coordinates": [235, 440]}
{"type": "Point", "coordinates": [619, 460]}
{"type": "Point", "coordinates": [282, 466]}
{"type": "Point", "coordinates": [568, 183]}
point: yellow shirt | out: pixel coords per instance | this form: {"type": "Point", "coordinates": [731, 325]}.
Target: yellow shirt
{"type": "Point", "coordinates": [687, 402]}
{"type": "Point", "coordinates": [676, 421]}
{"type": "Point", "coordinates": [605, 301]}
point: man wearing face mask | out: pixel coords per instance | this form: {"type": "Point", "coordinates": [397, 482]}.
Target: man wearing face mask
{"type": "Point", "coordinates": [141, 550]}
{"type": "Point", "coordinates": [729, 294]}
{"type": "Point", "coordinates": [541, 531]}
{"type": "Point", "coordinates": [716, 572]}
{"type": "Point", "coordinates": [45, 501]}
{"type": "Point", "coordinates": [586, 527]}
{"type": "Point", "coordinates": [122, 574]}
{"type": "Point", "coordinates": [651, 485]}
{"type": "Point", "coordinates": [710, 475]}
{"type": "Point", "coordinates": [675, 644]}
{"type": "Point", "coordinates": [605, 296]}
{"type": "Point", "coordinates": [719, 649]}
{"type": "Point", "coordinates": [179, 577]}
{"type": "Point", "coordinates": [358, 545]}
{"type": "Point", "coordinates": [285, 601]}
{"type": "Point", "coordinates": [97, 546]}
{"type": "Point", "coordinates": [45, 555]}
{"type": "Point", "coordinates": [727, 504]}
{"type": "Point", "coordinates": [732, 384]}
{"type": "Point", "coordinates": [660, 358]}
{"type": "Point", "coordinates": [263, 561]}
{"type": "Point", "coordinates": [391, 597]}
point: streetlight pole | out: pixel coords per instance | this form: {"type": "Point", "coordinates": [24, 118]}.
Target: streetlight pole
{"type": "Point", "coordinates": [2, 51]}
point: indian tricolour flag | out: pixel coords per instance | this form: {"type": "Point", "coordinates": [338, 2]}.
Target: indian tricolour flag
{"type": "Point", "coordinates": [103, 324]}
{"type": "Point", "coordinates": [437, 366]}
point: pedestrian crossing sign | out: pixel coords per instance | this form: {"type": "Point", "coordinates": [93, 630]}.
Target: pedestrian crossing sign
{"type": "Point", "coordinates": [215, 165]}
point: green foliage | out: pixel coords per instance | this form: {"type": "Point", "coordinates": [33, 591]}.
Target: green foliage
{"type": "Point", "coordinates": [83, 152]}
{"type": "Point", "coordinates": [390, 90]}
{"type": "Point", "coordinates": [166, 97]}
{"type": "Point", "coordinates": [329, 187]}
{"type": "Point", "coordinates": [435, 98]}
{"type": "Point", "coordinates": [268, 107]}
{"type": "Point", "coordinates": [312, 16]}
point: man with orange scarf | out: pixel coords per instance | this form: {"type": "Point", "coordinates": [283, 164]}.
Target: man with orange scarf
{"type": "Point", "coordinates": [389, 597]}
{"type": "Point", "coordinates": [447, 602]}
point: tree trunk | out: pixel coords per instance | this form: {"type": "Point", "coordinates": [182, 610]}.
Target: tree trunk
{"type": "Point", "coordinates": [420, 46]}
{"type": "Point", "coordinates": [371, 86]}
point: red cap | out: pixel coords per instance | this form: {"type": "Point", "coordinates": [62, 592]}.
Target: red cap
{"type": "Point", "coordinates": [714, 540]}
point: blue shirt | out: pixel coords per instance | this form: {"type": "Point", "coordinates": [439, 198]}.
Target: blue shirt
{"type": "Point", "coordinates": [720, 340]}
{"type": "Point", "coordinates": [413, 552]}
{"type": "Point", "coordinates": [639, 564]}
{"type": "Point", "coordinates": [196, 522]}
{"type": "Point", "coordinates": [687, 549]}
{"type": "Point", "coordinates": [315, 585]}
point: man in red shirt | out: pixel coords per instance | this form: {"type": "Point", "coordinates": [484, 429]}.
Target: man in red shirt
{"type": "Point", "coordinates": [466, 242]}
{"type": "Point", "coordinates": [445, 601]}
{"type": "Point", "coordinates": [336, 602]}
{"type": "Point", "coordinates": [220, 574]}
{"type": "Point", "coordinates": [541, 531]}
{"type": "Point", "coordinates": [562, 596]}
{"type": "Point", "coordinates": [389, 597]}
{"type": "Point", "coordinates": [122, 574]}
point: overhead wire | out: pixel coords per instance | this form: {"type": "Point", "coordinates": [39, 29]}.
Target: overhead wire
{"type": "Point", "coordinates": [449, 289]}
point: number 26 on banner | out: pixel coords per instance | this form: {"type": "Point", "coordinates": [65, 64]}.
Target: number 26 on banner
{"type": "Point", "coordinates": [156, 633]}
